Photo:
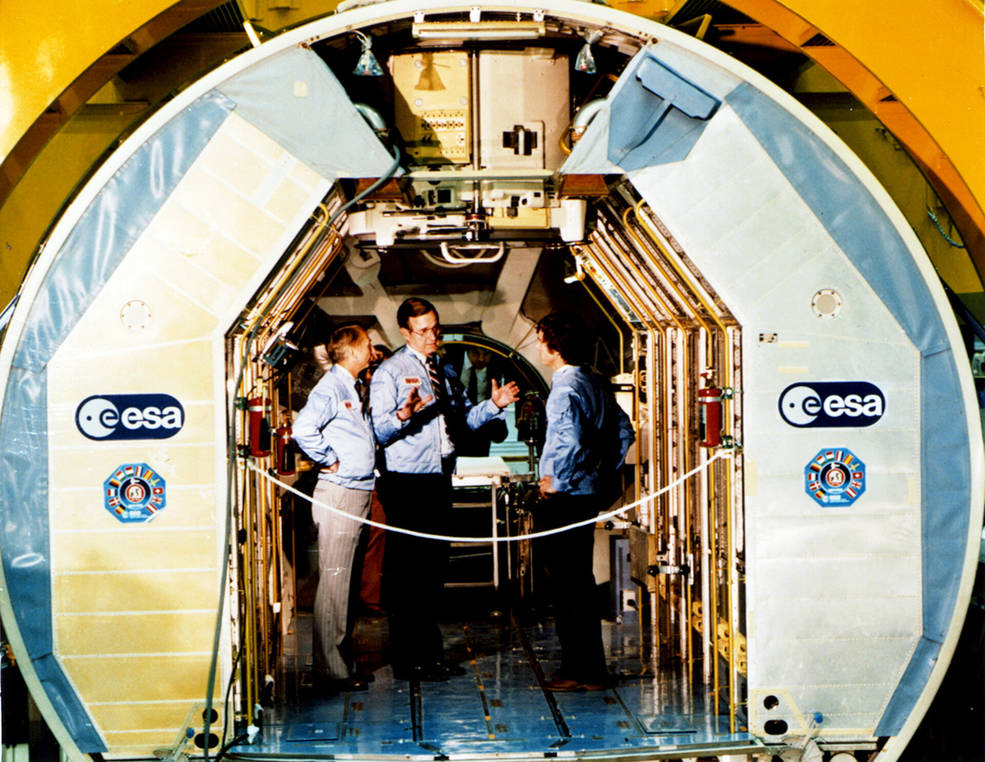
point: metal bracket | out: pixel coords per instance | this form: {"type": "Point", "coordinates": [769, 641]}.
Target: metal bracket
{"type": "Point", "coordinates": [656, 569]}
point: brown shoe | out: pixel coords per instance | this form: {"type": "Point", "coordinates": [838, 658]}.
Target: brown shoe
{"type": "Point", "coordinates": [567, 685]}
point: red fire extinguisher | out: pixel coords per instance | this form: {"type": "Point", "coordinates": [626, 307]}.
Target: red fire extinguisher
{"type": "Point", "coordinates": [285, 451]}
{"type": "Point", "coordinates": [709, 413]}
{"type": "Point", "coordinates": [259, 409]}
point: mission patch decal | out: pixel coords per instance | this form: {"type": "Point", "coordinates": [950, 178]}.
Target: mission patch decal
{"type": "Point", "coordinates": [134, 493]}
{"type": "Point", "coordinates": [835, 477]}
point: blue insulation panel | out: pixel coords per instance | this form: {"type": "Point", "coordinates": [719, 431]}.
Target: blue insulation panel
{"type": "Point", "coordinates": [661, 116]}
{"type": "Point", "coordinates": [862, 230]}
{"type": "Point", "coordinates": [97, 244]}
{"type": "Point", "coordinates": [295, 99]}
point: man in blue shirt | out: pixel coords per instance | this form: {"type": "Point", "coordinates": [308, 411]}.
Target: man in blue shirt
{"type": "Point", "coordinates": [334, 430]}
{"type": "Point", "coordinates": [587, 438]}
{"type": "Point", "coordinates": [419, 410]}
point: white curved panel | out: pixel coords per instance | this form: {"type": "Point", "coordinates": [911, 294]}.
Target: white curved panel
{"type": "Point", "coordinates": [825, 634]}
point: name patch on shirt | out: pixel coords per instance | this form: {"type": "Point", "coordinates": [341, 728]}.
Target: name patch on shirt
{"type": "Point", "coordinates": [414, 380]}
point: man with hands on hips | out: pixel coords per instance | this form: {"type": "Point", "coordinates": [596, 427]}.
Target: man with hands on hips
{"type": "Point", "coordinates": [419, 410]}
{"type": "Point", "coordinates": [334, 430]}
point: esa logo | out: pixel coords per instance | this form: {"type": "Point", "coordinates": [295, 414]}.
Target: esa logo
{"type": "Point", "coordinates": [816, 404]}
{"type": "Point", "coordinates": [130, 416]}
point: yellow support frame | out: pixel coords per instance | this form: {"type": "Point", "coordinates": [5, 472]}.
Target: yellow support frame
{"type": "Point", "coordinates": [921, 70]}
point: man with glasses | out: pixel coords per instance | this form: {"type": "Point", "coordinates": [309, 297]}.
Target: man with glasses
{"type": "Point", "coordinates": [419, 408]}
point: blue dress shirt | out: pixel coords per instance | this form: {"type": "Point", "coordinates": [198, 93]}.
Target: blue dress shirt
{"type": "Point", "coordinates": [332, 428]}
{"type": "Point", "coordinates": [588, 434]}
{"type": "Point", "coordinates": [414, 446]}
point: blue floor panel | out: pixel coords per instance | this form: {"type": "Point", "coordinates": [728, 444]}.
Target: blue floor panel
{"type": "Point", "coordinates": [667, 723]}
{"type": "Point", "coordinates": [312, 731]}
{"type": "Point", "coordinates": [497, 708]}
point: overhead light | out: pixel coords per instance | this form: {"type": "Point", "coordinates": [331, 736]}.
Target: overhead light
{"type": "Point", "coordinates": [251, 33]}
{"type": "Point", "coordinates": [480, 30]}
{"type": "Point", "coordinates": [367, 65]}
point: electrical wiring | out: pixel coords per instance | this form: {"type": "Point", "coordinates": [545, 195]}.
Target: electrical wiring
{"type": "Point", "coordinates": [937, 224]}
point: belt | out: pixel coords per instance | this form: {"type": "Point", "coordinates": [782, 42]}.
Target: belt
{"type": "Point", "coordinates": [325, 470]}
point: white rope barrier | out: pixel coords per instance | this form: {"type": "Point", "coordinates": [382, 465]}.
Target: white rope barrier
{"type": "Point", "coordinates": [514, 538]}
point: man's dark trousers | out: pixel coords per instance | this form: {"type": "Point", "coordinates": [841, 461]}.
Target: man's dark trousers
{"type": "Point", "coordinates": [414, 568]}
{"type": "Point", "coordinates": [567, 559]}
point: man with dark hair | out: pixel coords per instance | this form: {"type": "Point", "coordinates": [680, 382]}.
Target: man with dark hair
{"type": "Point", "coordinates": [566, 334]}
{"type": "Point", "coordinates": [334, 431]}
{"type": "Point", "coordinates": [587, 438]}
{"type": "Point", "coordinates": [418, 438]}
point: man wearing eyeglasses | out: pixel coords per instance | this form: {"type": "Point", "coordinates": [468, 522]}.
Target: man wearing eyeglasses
{"type": "Point", "coordinates": [419, 406]}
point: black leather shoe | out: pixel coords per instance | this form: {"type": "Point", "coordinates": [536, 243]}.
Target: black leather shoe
{"type": "Point", "coordinates": [449, 670]}
{"type": "Point", "coordinates": [567, 685]}
{"type": "Point", "coordinates": [403, 673]}
{"type": "Point", "coordinates": [354, 683]}
{"type": "Point", "coordinates": [322, 685]}
{"type": "Point", "coordinates": [422, 674]}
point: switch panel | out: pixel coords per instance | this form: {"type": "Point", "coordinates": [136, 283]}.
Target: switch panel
{"type": "Point", "coordinates": [431, 107]}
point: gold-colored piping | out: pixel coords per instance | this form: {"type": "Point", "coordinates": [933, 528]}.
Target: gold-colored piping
{"type": "Point", "coordinates": [666, 276]}
{"type": "Point", "coordinates": [686, 412]}
{"type": "Point", "coordinates": [563, 144]}
{"type": "Point", "coordinates": [262, 308]}
{"type": "Point", "coordinates": [248, 577]}
{"type": "Point", "coordinates": [253, 499]}
{"type": "Point", "coordinates": [727, 422]}
{"type": "Point", "coordinates": [668, 403]}
{"type": "Point", "coordinates": [712, 567]}
{"type": "Point", "coordinates": [611, 272]}
{"type": "Point", "coordinates": [620, 285]}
